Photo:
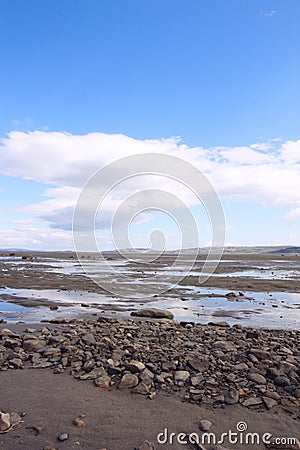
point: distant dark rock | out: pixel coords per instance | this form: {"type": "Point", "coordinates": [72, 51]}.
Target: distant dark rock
{"type": "Point", "coordinates": [153, 313]}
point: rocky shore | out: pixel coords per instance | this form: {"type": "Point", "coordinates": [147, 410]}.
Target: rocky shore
{"type": "Point", "coordinates": [214, 365]}
{"type": "Point", "coordinates": [216, 369]}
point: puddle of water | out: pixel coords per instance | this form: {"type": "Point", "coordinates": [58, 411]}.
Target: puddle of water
{"type": "Point", "coordinates": [12, 307]}
{"type": "Point", "coordinates": [279, 310]}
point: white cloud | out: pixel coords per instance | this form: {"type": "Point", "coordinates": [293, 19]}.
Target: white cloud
{"type": "Point", "coordinates": [293, 215]}
{"type": "Point", "coordinates": [258, 173]}
{"type": "Point", "coordinates": [268, 13]}
{"type": "Point", "coordinates": [35, 238]}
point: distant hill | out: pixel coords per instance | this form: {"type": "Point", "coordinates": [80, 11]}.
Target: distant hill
{"type": "Point", "coordinates": [201, 251]}
{"type": "Point", "coordinates": [287, 250]}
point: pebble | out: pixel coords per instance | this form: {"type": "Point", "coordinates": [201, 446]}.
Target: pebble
{"type": "Point", "coordinates": [181, 376]}
{"type": "Point", "coordinates": [252, 401]}
{"type": "Point", "coordinates": [269, 402]}
{"type": "Point", "coordinates": [281, 381]}
{"type": "Point", "coordinates": [146, 445]}
{"type": "Point", "coordinates": [63, 437]}
{"type": "Point", "coordinates": [231, 396]}
{"type": "Point", "coordinates": [79, 422]}
{"type": "Point", "coordinates": [205, 425]}
{"type": "Point", "coordinates": [257, 378]}
{"type": "Point", "coordinates": [128, 381]}
{"type": "Point", "coordinates": [4, 421]}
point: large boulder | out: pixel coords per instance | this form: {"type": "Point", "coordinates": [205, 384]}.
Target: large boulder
{"type": "Point", "coordinates": [153, 313]}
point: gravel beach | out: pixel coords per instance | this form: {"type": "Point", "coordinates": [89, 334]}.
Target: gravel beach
{"type": "Point", "coordinates": [146, 376]}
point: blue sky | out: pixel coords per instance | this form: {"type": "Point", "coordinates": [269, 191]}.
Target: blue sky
{"type": "Point", "coordinates": [218, 74]}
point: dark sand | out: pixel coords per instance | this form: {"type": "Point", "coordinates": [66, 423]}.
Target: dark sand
{"type": "Point", "coordinates": [114, 420]}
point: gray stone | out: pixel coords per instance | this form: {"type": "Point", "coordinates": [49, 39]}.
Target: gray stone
{"type": "Point", "coordinates": [231, 396]}
{"type": "Point", "coordinates": [252, 401]}
{"type": "Point", "coordinates": [197, 379]}
{"type": "Point", "coordinates": [224, 346]}
{"type": "Point", "coordinates": [296, 393]}
{"type": "Point", "coordinates": [205, 425]}
{"type": "Point", "coordinates": [241, 367]}
{"type": "Point", "coordinates": [199, 364]}
{"type": "Point", "coordinates": [41, 365]}
{"type": "Point", "coordinates": [135, 366]}
{"type": "Point", "coordinates": [128, 381]}
{"type": "Point", "coordinates": [142, 389]}
{"type": "Point", "coordinates": [4, 421]}
{"type": "Point", "coordinates": [181, 376]}
{"type": "Point", "coordinates": [269, 402]}
{"type": "Point", "coordinates": [282, 381]}
{"type": "Point", "coordinates": [94, 374]}
{"type": "Point", "coordinates": [273, 394]}
{"type": "Point", "coordinates": [63, 437]}
{"type": "Point", "coordinates": [147, 445]}
{"type": "Point", "coordinates": [33, 345]}
{"type": "Point", "coordinates": [88, 339]}
{"type": "Point", "coordinates": [17, 363]}
{"type": "Point", "coordinates": [153, 313]}
{"type": "Point", "coordinates": [257, 378]}
{"type": "Point", "coordinates": [272, 373]}
{"type": "Point", "coordinates": [103, 382]}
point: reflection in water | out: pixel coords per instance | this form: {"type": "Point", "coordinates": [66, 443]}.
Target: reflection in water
{"type": "Point", "coordinates": [189, 303]}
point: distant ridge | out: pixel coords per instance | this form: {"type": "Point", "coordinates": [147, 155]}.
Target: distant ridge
{"type": "Point", "coordinates": [287, 250]}
{"type": "Point", "coordinates": [275, 249]}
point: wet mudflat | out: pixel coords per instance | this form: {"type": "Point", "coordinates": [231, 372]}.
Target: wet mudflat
{"type": "Point", "coordinates": [260, 290]}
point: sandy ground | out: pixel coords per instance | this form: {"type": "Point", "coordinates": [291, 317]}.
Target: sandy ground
{"type": "Point", "coordinates": [114, 420]}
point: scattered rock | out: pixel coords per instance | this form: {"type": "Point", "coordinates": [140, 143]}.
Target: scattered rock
{"type": "Point", "coordinates": [135, 366]}
{"type": "Point", "coordinates": [4, 421]}
{"type": "Point", "coordinates": [153, 313]}
{"type": "Point", "coordinates": [215, 365]}
{"type": "Point", "coordinates": [141, 388]}
{"type": "Point", "coordinates": [257, 378]}
{"type": "Point", "coordinates": [231, 396]}
{"type": "Point", "coordinates": [63, 437]}
{"type": "Point", "coordinates": [146, 445]}
{"type": "Point", "coordinates": [281, 381]}
{"type": "Point", "coordinates": [269, 402]}
{"type": "Point", "coordinates": [205, 425]}
{"type": "Point", "coordinates": [199, 364]}
{"type": "Point", "coordinates": [79, 422]}
{"type": "Point", "coordinates": [128, 381]}
{"type": "Point", "coordinates": [181, 376]}
{"type": "Point", "coordinates": [103, 381]}
{"type": "Point", "coordinates": [219, 324]}
{"type": "Point", "coordinates": [36, 430]}
{"type": "Point", "coordinates": [33, 345]}
{"type": "Point", "coordinates": [252, 401]}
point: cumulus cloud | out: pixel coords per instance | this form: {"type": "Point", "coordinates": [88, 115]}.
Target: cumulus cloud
{"type": "Point", "coordinates": [265, 173]}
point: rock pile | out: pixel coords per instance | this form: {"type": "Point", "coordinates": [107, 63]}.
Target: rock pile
{"type": "Point", "coordinates": [212, 365]}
